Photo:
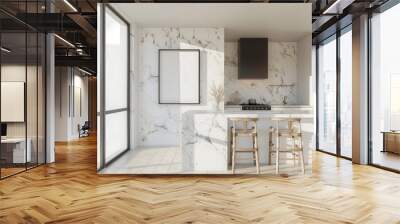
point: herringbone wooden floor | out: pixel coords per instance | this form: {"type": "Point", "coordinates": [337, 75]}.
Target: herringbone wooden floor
{"type": "Point", "coordinates": [70, 191]}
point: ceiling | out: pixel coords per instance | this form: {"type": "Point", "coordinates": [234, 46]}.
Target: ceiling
{"type": "Point", "coordinates": [73, 20]}
{"type": "Point", "coordinates": [277, 21]}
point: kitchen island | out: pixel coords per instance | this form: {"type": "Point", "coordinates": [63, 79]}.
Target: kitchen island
{"type": "Point", "coordinates": [205, 137]}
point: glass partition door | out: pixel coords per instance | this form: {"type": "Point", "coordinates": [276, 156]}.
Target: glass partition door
{"type": "Point", "coordinates": [114, 85]}
{"type": "Point", "coordinates": [22, 77]}
{"type": "Point", "coordinates": [15, 150]}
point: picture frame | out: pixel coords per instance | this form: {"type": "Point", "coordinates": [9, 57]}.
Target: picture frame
{"type": "Point", "coordinates": [179, 76]}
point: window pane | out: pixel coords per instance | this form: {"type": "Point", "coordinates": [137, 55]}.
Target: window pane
{"type": "Point", "coordinates": [116, 134]}
{"type": "Point", "coordinates": [327, 96]}
{"type": "Point", "coordinates": [346, 94]}
{"type": "Point", "coordinates": [13, 79]}
{"type": "Point", "coordinates": [385, 88]}
{"type": "Point", "coordinates": [31, 100]}
{"type": "Point", "coordinates": [116, 62]}
{"type": "Point", "coordinates": [41, 99]}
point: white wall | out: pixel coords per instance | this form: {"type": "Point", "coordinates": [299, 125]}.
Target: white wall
{"type": "Point", "coordinates": [80, 117]}
{"type": "Point", "coordinates": [33, 126]}
{"type": "Point", "coordinates": [134, 38]}
{"type": "Point", "coordinates": [67, 81]}
{"type": "Point", "coordinates": [160, 125]}
{"type": "Point", "coordinates": [304, 71]}
{"type": "Point", "coordinates": [15, 72]}
{"type": "Point", "coordinates": [11, 73]}
{"type": "Point", "coordinates": [282, 76]}
{"type": "Point", "coordinates": [62, 81]}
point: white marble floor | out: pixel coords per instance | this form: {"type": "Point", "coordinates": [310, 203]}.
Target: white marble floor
{"type": "Point", "coordinates": [157, 160]}
{"type": "Point", "coordinates": [168, 160]}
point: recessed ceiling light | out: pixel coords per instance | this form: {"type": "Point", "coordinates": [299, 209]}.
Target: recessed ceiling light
{"type": "Point", "coordinates": [337, 6]}
{"type": "Point", "coordinates": [5, 50]}
{"type": "Point", "coordinates": [70, 5]}
{"type": "Point", "coordinates": [84, 71]}
{"type": "Point", "coordinates": [64, 40]}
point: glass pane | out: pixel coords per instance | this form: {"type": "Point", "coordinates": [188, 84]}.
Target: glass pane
{"type": "Point", "coordinates": [327, 96]}
{"type": "Point", "coordinates": [346, 93]}
{"type": "Point", "coordinates": [116, 135]}
{"type": "Point", "coordinates": [31, 100]}
{"type": "Point", "coordinates": [116, 62]}
{"type": "Point", "coordinates": [385, 86]}
{"type": "Point", "coordinates": [41, 99]}
{"type": "Point", "coordinates": [13, 126]}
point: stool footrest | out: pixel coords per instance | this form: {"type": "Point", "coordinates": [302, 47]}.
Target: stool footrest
{"type": "Point", "coordinates": [246, 149]}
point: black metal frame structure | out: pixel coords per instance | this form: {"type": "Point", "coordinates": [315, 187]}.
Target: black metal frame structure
{"type": "Point", "coordinates": [103, 112]}
{"type": "Point", "coordinates": [340, 31]}
{"type": "Point", "coordinates": [389, 4]}
{"type": "Point", "coordinates": [159, 75]}
{"type": "Point", "coordinates": [30, 30]}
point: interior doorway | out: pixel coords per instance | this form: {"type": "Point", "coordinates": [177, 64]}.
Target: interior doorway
{"type": "Point", "coordinates": [75, 104]}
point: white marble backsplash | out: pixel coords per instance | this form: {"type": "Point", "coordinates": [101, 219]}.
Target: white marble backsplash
{"type": "Point", "coordinates": [282, 76]}
{"type": "Point", "coordinates": [161, 125]}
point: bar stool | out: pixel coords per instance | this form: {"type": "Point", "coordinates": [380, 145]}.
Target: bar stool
{"type": "Point", "coordinates": [294, 141]}
{"type": "Point", "coordinates": [244, 127]}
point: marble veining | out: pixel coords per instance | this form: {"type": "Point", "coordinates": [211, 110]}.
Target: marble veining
{"type": "Point", "coordinates": [161, 125]}
{"type": "Point", "coordinates": [195, 137]}
{"type": "Point", "coordinates": [282, 76]}
{"type": "Point", "coordinates": [204, 141]}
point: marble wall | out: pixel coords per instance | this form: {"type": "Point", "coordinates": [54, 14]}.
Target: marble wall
{"type": "Point", "coordinates": [161, 125]}
{"type": "Point", "coordinates": [204, 142]}
{"type": "Point", "coordinates": [282, 76]}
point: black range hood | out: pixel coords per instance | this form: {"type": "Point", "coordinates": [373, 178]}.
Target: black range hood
{"type": "Point", "coordinates": [253, 58]}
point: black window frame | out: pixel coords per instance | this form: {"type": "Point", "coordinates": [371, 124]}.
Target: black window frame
{"type": "Point", "coordinates": [102, 111]}
{"type": "Point", "coordinates": [333, 37]}
{"type": "Point", "coordinates": [380, 9]}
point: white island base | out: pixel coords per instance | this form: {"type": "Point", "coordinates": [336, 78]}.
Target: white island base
{"type": "Point", "coordinates": [205, 143]}
{"type": "Point", "coordinates": [204, 147]}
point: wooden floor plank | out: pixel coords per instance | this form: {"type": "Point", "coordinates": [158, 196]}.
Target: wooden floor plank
{"type": "Point", "coordinates": [70, 191]}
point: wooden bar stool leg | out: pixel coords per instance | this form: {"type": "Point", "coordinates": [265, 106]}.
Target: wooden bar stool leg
{"type": "Point", "coordinates": [257, 162]}
{"type": "Point", "coordinates": [302, 150]}
{"type": "Point", "coordinates": [302, 162]}
{"type": "Point", "coordinates": [233, 161]}
{"type": "Point", "coordinates": [277, 161]}
{"type": "Point", "coordinates": [269, 157]}
{"type": "Point", "coordinates": [277, 149]}
{"type": "Point", "coordinates": [294, 151]}
{"type": "Point", "coordinates": [233, 153]}
{"type": "Point", "coordinates": [254, 147]}
{"type": "Point", "coordinates": [270, 146]}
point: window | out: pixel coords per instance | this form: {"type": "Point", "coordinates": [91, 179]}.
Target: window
{"type": "Point", "coordinates": [114, 85]}
{"type": "Point", "coordinates": [334, 101]}
{"type": "Point", "coordinates": [346, 93]}
{"type": "Point", "coordinates": [327, 96]}
{"type": "Point", "coordinates": [22, 66]}
{"type": "Point", "coordinates": [385, 89]}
